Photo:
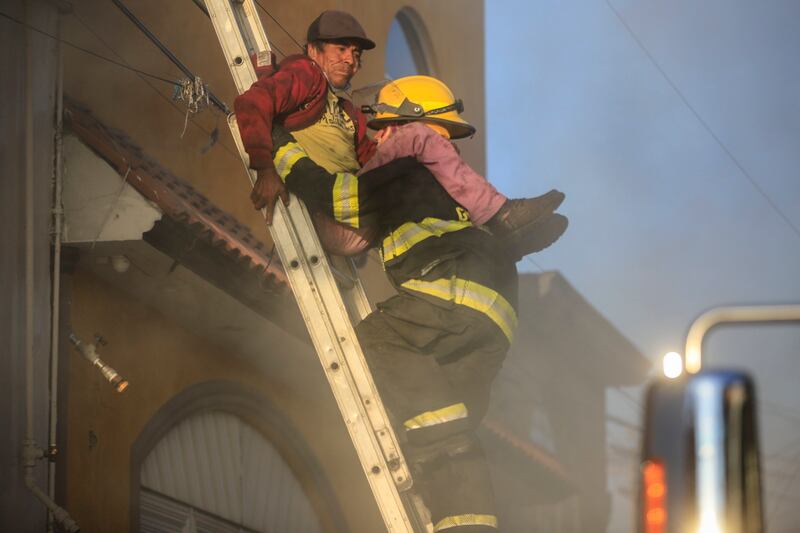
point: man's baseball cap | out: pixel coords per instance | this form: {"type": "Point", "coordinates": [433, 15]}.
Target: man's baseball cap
{"type": "Point", "coordinates": [331, 25]}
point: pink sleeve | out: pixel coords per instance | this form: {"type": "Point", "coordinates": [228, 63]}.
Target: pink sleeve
{"type": "Point", "coordinates": [464, 185]}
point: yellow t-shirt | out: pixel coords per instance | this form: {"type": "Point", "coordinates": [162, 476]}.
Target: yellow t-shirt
{"type": "Point", "coordinates": [329, 142]}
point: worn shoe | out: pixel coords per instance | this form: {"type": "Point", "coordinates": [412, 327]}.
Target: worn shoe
{"type": "Point", "coordinates": [519, 215]}
{"type": "Point", "coordinates": [538, 236]}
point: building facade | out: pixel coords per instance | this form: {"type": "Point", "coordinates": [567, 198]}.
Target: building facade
{"type": "Point", "coordinates": [163, 266]}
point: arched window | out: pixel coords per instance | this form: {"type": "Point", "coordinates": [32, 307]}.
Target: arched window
{"type": "Point", "coordinates": [214, 469]}
{"type": "Point", "coordinates": [220, 457]}
{"type": "Point", "coordinates": [408, 48]}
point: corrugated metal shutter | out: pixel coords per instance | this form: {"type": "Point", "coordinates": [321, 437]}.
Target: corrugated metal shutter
{"type": "Point", "coordinates": [214, 462]}
{"type": "Point", "coordinates": [160, 514]}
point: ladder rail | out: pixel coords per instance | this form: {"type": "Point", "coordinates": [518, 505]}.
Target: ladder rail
{"type": "Point", "coordinates": [346, 272]}
{"type": "Point", "coordinates": [387, 474]}
{"type": "Point", "coordinates": [332, 304]}
{"type": "Point", "coordinates": [241, 34]}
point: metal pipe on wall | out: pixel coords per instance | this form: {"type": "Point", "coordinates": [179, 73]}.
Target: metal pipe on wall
{"type": "Point", "coordinates": [29, 177]}
{"type": "Point", "coordinates": [31, 453]}
{"type": "Point", "coordinates": [58, 213]}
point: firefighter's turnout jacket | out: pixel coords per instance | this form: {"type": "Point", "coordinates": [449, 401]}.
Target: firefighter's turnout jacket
{"type": "Point", "coordinates": [419, 227]}
{"type": "Point", "coordinates": [435, 348]}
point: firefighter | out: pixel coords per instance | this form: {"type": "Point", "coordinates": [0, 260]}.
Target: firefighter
{"type": "Point", "coordinates": [524, 225]}
{"type": "Point", "coordinates": [436, 346]}
{"type": "Point", "coordinates": [303, 93]}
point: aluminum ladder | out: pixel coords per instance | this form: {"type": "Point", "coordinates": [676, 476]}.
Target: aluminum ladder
{"type": "Point", "coordinates": [327, 306]}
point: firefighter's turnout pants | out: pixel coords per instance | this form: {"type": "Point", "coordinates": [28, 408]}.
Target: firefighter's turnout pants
{"type": "Point", "coordinates": [434, 350]}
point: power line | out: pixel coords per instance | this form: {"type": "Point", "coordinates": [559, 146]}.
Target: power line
{"type": "Point", "coordinates": [279, 24]}
{"type": "Point", "coordinates": [87, 51]}
{"type": "Point", "coordinates": [201, 5]}
{"type": "Point", "coordinates": [275, 46]}
{"type": "Point", "coordinates": [167, 52]}
{"type": "Point", "coordinates": [622, 451]}
{"type": "Point", "coordinates": [779, 410]}
{"type": "Point", "coordinates": [628, 396]}
{"type": "Point", "coordinates": [700, 119]}
{"type": "Point", "coordinates": [786, 487]}
{"type": "Point", "coordinates": [533, 262]}
{"type": "Point", "coordinates": [622, 422]}
{"type": "Point", "coordinates": [159, 93]}
{"type": "Point", "coordinates": [781, 453]}
{"type": "Point", "coordinates": [566, 397]}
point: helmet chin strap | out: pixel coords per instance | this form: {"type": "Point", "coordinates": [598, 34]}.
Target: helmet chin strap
{"type": "Point", "coordinates": [410, 109]}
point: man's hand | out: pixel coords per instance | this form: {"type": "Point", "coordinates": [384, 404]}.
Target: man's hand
{"type": "Point", "coordinates": [267, 188]}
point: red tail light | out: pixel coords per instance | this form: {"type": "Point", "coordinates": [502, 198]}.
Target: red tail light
{"type": "Point", "coordinates": [654, 484]}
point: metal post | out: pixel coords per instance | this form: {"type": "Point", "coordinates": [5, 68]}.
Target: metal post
{"type": "Point", "coordinates": [720, 315]}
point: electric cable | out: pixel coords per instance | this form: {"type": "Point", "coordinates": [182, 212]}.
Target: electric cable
{"type": "Point", "coordinates": [275, 47]}
{"type": "Point", "coordinates": [87, 51]}
{"type": "Point", "coordinates": [629, 397]}
{"type": "Point", "coordinates": [168, 100]}
{"type": "Point", "coordinates": [786, 452]}
{"type": "Point", "coordinates": [112, 208]}
{"type": "Point", "coordinates": [622, 422]}
{"type": "Point", "coordinates": [147, 82]}
{"type": "Point", "coordinates": [778, 414]}
{"type": "Point", "coordinates": [753, 182]}
{"type": "Point", "coordinates": [700, 119]}
{"type": "Point", "coordinates": [200, 4]}
{"type": "Point", "coordinates": [781, 411]}
{"type": "Point", "coordinates": [786, 487]}
{"type": "Point", "coordinates": [279, 24]}
{"type": "Point", "coordinates": [566, 397]}
{"type": "Point", "coordinates": [622, 451]}
{"type": "Point", "coordinates": [167, 52]}
{"type": "Point", "coordinates": [534, 263]}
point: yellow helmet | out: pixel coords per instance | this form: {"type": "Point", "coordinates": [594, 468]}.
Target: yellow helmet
{"type": "Point", "coordinates": [420, 98]}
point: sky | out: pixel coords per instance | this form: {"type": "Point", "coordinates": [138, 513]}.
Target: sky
{"type": "Point", "coordinates": [674, 130]}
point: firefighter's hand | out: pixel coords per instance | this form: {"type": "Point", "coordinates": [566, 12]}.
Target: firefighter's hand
{"type": "Point", "coordinates": [266, 190]}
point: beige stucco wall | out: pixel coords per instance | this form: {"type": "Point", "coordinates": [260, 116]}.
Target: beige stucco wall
{"type": "Point", "coordinates": [161, 359]}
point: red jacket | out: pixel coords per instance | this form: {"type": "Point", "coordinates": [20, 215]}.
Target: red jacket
{"type": "Point", "coordinates": [293, 94]}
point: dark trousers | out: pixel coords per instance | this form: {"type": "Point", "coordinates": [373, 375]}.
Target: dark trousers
{"type": "Point", "coordinates": [426, 357]}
